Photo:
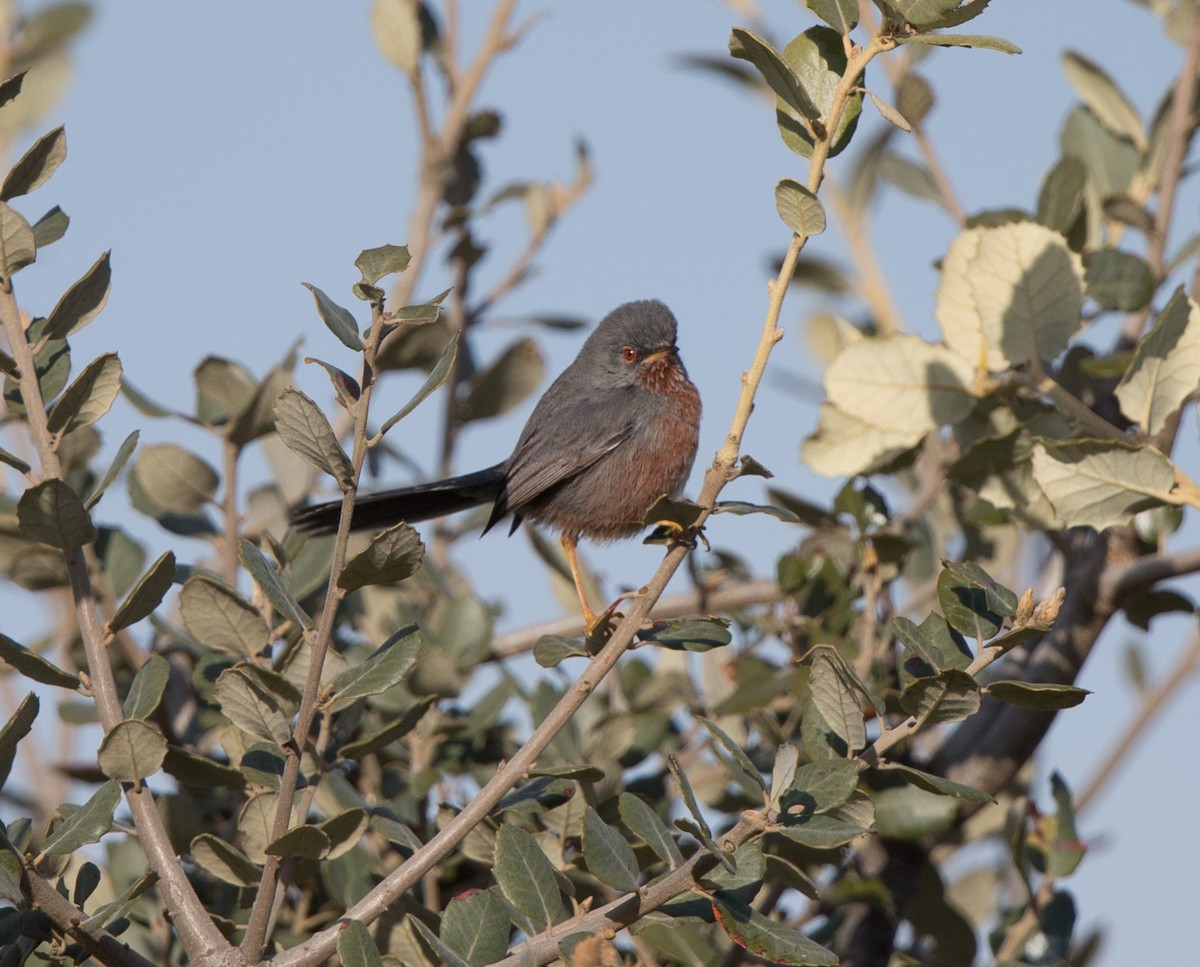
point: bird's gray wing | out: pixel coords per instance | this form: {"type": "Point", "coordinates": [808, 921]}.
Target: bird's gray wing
{"type": "Point", "coordinates": [555, 450]}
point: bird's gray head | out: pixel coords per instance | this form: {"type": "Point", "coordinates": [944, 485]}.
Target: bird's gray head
{"type": "Point", "coordinates": [629, 339]}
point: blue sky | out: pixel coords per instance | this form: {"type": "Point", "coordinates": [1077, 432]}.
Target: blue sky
{"type": "Point", "coordinates": [226, 152]}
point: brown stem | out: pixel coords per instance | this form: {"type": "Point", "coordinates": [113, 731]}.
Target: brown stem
{"type": "Point", "coordinates": [197, 932]}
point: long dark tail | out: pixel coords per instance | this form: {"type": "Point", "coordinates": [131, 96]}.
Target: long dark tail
{"type": "Point", "coordinates": [411, 504]}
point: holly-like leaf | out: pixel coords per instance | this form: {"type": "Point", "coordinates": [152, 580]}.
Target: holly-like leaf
{"type": "Point", "coordinates": [392, 556]}
{"type": "Point", "coordinates": [52, 513]}
{"type": "Point", "coordinates": [387, 667]}
{"type": "Point", "coordinates": [175, 479]}
{"type": "Point", "coordinates": [949, 696]}
{"type": "Point", "coordinates": [375, 263]}
{"type": "Point", "coordinates": [224, 861]}
{"type": "Point", "coordinates": [146, 595]}
{"type": "Point", "coordinates": [476, 925]}
{"type": "Point", "coordinates": [765, 937]}
{"type": "Point", "coordinates": [17, 245]}
{"type": "Point", "coordinates": [251, 708]}
{"type": "Point", "coordinates": [437, 376]}
{"type": "Point", "coordinates": [221, 618]}
{"type": "Point", "coordinates": [641, 820]}
{"type": "Point", "coordinates": [271, 584]}
{"type": "Point", "coordinates": [34, 666]}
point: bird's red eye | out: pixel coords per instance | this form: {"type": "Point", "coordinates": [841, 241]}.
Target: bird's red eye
{"type": "Point", "coordinates": [629, 354]}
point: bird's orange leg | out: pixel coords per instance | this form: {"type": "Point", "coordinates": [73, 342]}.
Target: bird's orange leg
{"type": "Point", "coordinates": [590, 617]}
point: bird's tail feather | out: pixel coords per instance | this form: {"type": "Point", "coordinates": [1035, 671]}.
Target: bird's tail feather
{"type": "Point", "coordinates": [411, 504]}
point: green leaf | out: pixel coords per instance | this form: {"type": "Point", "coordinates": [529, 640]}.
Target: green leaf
{"type": "Point", "coordinates": [504, 384]}
{"type": "Point", "coordinates": [201, 772]}
{"type": "Point", "coordinates": [817, 59]}
{"type": "Point", "coordinates": [257, 418]}
{"type": "Point", "coordinates": [81, 303]}
{"type": "Point", "coordinates": [375, 263]}
{"type": "Point", "coordinates": [909, 812]}
{"type": "Point", "coordinates": [52, 513]}
{"type": "Point", "coordinates": [835, 699]}
{"type": "Point", "coordinates": [11, 86]}
{"type": "Point", "coordinates": [220, 618]}
{"type": "Point", "coordinates": [392, 556]}
{"type": "Point", "coordinates": [146, 595]}
{"type": "Point", "coordinates": [1101, 483]}
{"type": "Point", "coordinates": [641, 820]}
{"type": "Point", "coordinates": [124, 452]}
{"type": "Point", "coordinates": [608, 857]}
{"type": "Point", "coordinates": [448, 956]}
{"type": "Point", "coordinates": [741, 508]}
{"type": "Point", "coordinates": [300, 842]}
{"type": "Point", "coordinates": [340, 321]}
{"type": "Point", "coordinates": [936, 784]}
{"type": "Point", "coordinates": [783, 774]}
{"type": "Point", "coordinates": [911, 178]}
{"type": "Point", "coordinates": [271, 584]}
{"type": "Point", "coordinates": [949, 696]}
{"type": "Point", "coordinates": [972, 601]}
{"type": "Point", "coordinates": [174, 479]}
{"type": "Point", "coordinates": [88, 398]}
{"type": "Point", "coordinates": [799, 208]}
{"type": "Point", "coordinates": [50, 227]}
{"type": "Point", "coordinates": [36, 165]}
{"type": "Point", "coordinates": [147, 688]}
{"type": "Point", "coordinates": [695, 634]}
{"type": "Point", "coordinates": [344, 385]}
{"type": "Point", "coordinates": [394, 730]}
{"type": "Point", "coordinates": [437, 376]}
{"type": "Point", "coordinates": [15, 729]}
{"type": "Point", "coordinates": [1061, 198]}
{"type": "Point", "coordinates": [933, 641]}
{"type": "Point", "coordinates": [34, 666]}
{"type": "Point", "coordinates": [387, 667]}
{"type": "Point", "coordinates": [251, 708]}
{"type": "Point", "coordinates": [12, 460]}
{"type": "Point", "coordinates": [118, 908]}
{"type": "Point", "coordinates": [841, 15]}
{"type": "Point", "coordinates": [734, 751]}
{"type": "Point", "coordinates": [1118, 280]}
{"type": "Point", "coordinates": [845, 445]}
{"type": "Point", "coordinates": [85, 824]}
{"type": "Point", "coordinates": [1066, 848]}
{"type": "Point", "coordinates": [774, 70]}
{"type": "Point", "coordinates": [901, 383]}
{"type": "Point", "coordinates": [1009, 292]}
{"type": "Point", "coordinates": [822, 832]}
{"type": "Point", "coordinates": [1165, 369]}
{"type": "Point", "coordinates": [344, 831]}
{"type": "Point", "coordinates": [224, 861]}
{"type": "Point", "coordinates": [526, 877]}
{"type": "Point", "coordinates": [132, 751]}
{"type": "Point", "coordinates": [766, 938]}
{"type": "Point", "coordinates": [550, 651]}
{"type": "Point", "coordinates": [820, 786]}
{"type": "Point", "coordinates": [1100, 93]}
{"type": "Point", "coordinates": [961, 40]}
{"type": "Point", "coordinates": [1042, 697]}
{"type": "Point", "coordinates": [476, 926]}
{"type": "Point", "coordinates": [223, 390]}
{"type": "Point", "coordinates": [17, 245]}
{"type": "Point", "coordinates": [303, 427]}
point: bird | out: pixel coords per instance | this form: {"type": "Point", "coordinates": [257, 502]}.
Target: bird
{"type": "Point", "coordinates": [614, 432]}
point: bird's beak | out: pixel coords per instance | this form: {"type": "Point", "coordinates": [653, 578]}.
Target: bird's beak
{"type": "Point", "coordinates": [659, 354]}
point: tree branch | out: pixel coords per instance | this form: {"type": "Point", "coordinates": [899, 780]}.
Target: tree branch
{"type": "Point", "coordinates": [199, 935]}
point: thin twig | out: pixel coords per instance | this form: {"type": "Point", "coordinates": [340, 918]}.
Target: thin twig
{"type": "Point", "coordinates": [197, 932]}
{"type": "Point", "coordinates": [1182, 126]}
{"type": "Point", "coordinates": [1153, 703]}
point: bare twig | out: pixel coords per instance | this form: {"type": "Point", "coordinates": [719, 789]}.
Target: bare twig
{"type": "Point", "coordinates": [1182, 126]}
